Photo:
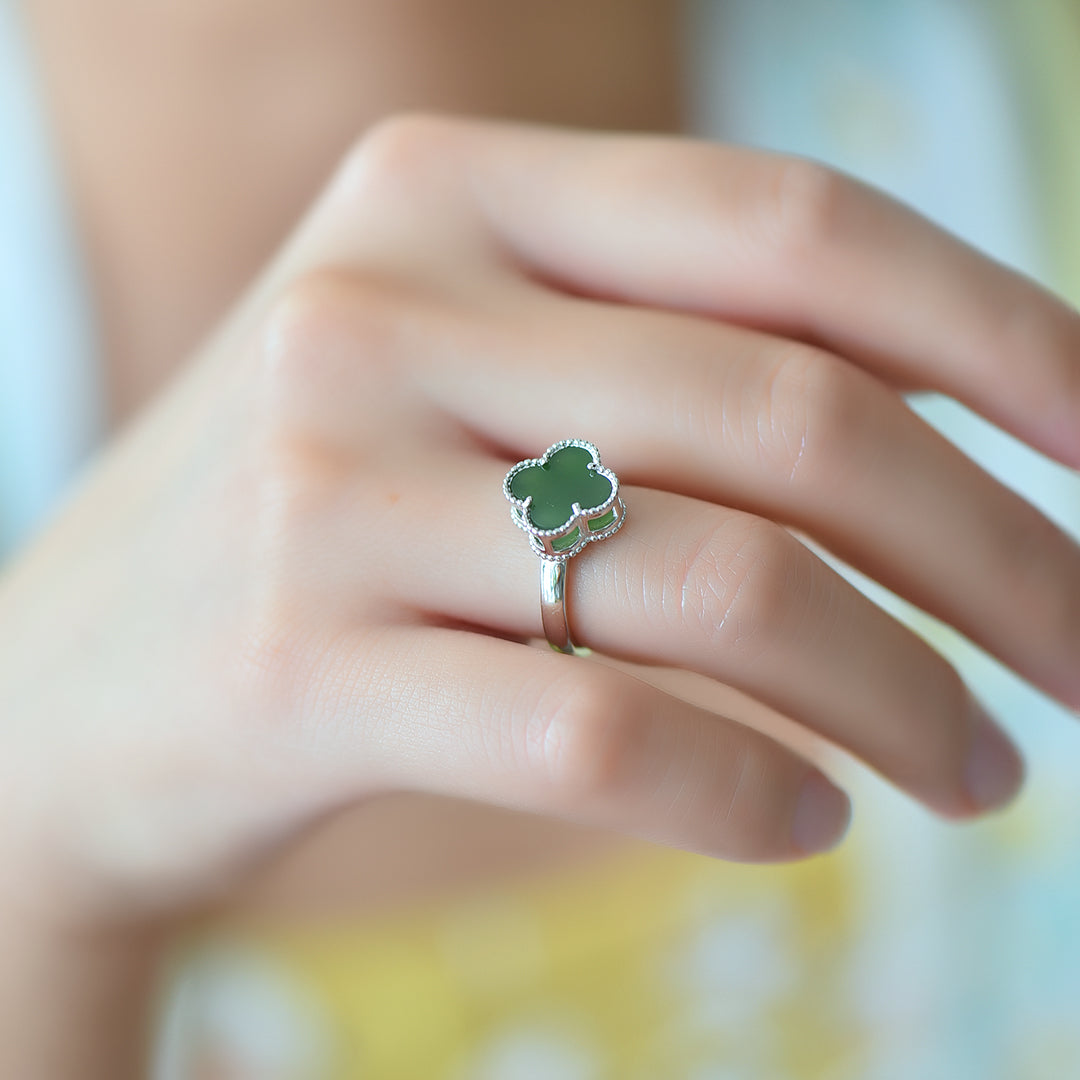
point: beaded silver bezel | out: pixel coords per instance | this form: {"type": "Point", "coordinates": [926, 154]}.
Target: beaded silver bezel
{"type": "Point", "coordinates": [542, 540]}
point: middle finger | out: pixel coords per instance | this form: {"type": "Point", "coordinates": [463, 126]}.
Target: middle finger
{"type": "Point", "coordinates": [789, 432]}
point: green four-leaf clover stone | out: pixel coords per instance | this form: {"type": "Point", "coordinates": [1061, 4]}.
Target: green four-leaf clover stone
{"type": "Point", "coordinates": [564, 499]}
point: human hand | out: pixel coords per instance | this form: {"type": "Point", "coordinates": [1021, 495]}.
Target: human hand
{"type": "Point", "coordinates": [296, 584]}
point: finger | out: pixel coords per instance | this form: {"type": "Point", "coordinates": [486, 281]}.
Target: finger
{"type": "Point", "coordinates": [461, 714]}
{"type": "Point", "coordinates": [692, 585]}
{"type": "Point", "coordinates": [781, 244]}
{"type": "Point", "coordinates": [789, 432]}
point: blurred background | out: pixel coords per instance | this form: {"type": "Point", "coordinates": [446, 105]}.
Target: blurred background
{"type": "Point", "coordinates": [389, 946]}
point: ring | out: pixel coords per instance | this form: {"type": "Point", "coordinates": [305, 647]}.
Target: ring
{"type": "Point", "coordinates": [564, 499]}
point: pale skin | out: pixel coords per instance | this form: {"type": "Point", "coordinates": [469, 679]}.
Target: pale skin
{"type": "Point", "coordinates": [262, 605]}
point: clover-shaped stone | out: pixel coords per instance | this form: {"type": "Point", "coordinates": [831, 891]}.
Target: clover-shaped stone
{"type": "Point", "coordinates": [564, 499]}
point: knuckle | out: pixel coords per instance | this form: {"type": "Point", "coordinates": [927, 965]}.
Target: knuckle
{"type": "Point", "coordinates": [325, 364]}
{"type": "Point", "coordinates": [736, 583]}
{"type": "Point", "coordinates": [805, 206]}
{"type": "Point", "coordinates": [813, 412]}
{"type": "Point", "coordinates": [323, 324]}
{"type": "Point", "coordinates": [299, 324]}
{"type": "Point", "coordinates": [581, 737]}
{"type": "Point", "coordinates": [783, 417]}
{"type": "Point", "coordinates": [328, 334]}
{"type": "Point", "coordinates": [399, 151]}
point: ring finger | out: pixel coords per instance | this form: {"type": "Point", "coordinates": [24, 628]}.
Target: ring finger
{"type": "Point", "coordinates": [693, 585]}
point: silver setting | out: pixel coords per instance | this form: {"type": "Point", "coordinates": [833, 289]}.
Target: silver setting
{"type": "Point", "coordinates": [553, 568]}
{"type": "Point", "coordinates": [543, 540]}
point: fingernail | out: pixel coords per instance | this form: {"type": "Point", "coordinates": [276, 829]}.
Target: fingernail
{"type": "Point", "coordinates": [994, 771]}
{"type": "Point", "coordinates": [822, 815]}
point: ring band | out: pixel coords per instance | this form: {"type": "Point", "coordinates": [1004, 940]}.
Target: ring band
{"type": "Point", "coordinates": [553, 605]}
{"type": "Point", "coordinates": [564, 499]}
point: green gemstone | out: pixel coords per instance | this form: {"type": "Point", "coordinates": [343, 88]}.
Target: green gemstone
{"type": "Point", "coordinates": [562, 543]}
{"type": "Point", "coordinates": [564, 479]}
{"type": "Point", "coordinates": [603, 521]}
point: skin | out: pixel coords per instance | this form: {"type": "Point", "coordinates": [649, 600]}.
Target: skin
{"type": "Point", "coordinates": [165, 138]}
{"type": "Point", "coordinates": [253, 675]}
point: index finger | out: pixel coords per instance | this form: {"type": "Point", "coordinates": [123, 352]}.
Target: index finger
{"type": "Point", "coordinates": [789, 246]}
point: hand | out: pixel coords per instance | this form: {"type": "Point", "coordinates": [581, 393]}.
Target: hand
{"type": "Point", "coordinates": [296, 583]}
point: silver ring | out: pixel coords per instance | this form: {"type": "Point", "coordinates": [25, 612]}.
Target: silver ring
{"type": "Point", "coordinates": [565, 499]}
